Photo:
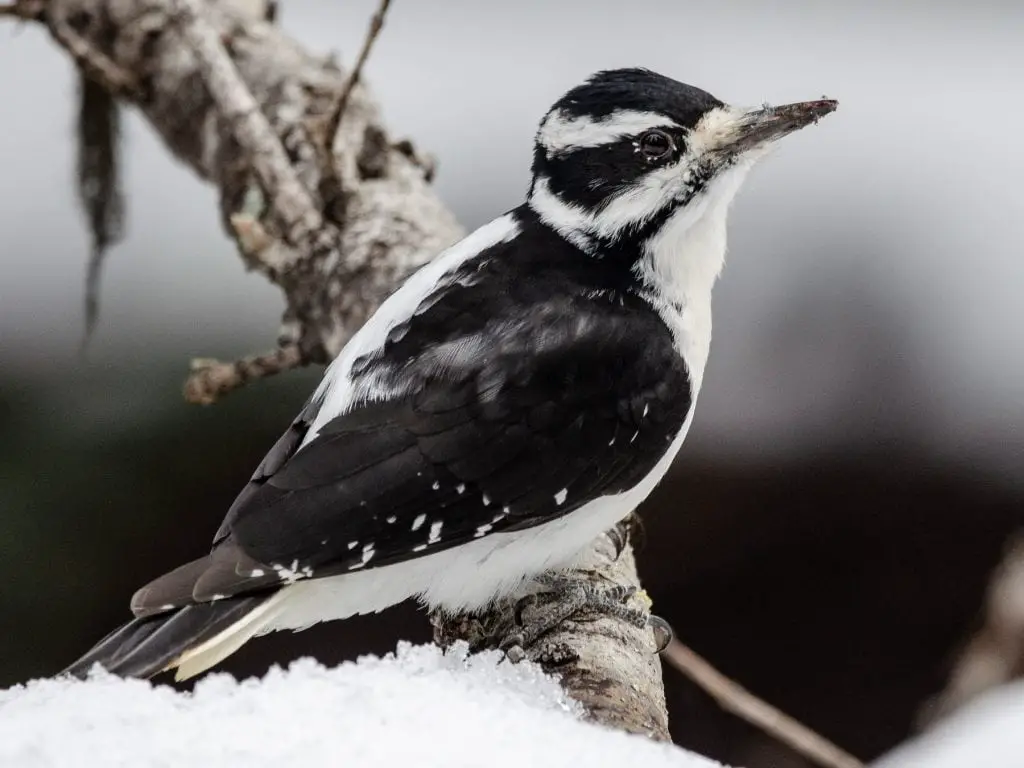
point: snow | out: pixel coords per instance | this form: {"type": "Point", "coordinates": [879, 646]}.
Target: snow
{"type": "Point", "coordinates": [987, 733]}
{"type": "Point", "coordinates": [417, 707]}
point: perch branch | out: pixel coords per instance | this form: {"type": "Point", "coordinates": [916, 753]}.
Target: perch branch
{"type": "Point", "coordinates": [732, 697]}
{"type": "Point", "coordinates": [607, 664]}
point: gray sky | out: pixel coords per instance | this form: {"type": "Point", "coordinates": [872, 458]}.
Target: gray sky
{"type": "Point", "coordinates": [876, 267]}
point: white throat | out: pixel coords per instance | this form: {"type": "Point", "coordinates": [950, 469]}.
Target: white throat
{"type": "Point", "coordinates": [681, 264]}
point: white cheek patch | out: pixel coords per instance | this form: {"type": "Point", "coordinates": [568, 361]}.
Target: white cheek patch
{"type": "Point", "coordinates": [641, 200]}
{"type": "Point", "coordinates": [561, 131]}
{"type": "Point", "coordinates": [632, 206]}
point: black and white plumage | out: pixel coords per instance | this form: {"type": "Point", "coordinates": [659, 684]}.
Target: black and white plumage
{"type": "Point", "coordinates": [515, 398]}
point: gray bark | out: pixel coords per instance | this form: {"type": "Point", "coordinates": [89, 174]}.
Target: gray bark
{"type": "Point", "coordinates": [335, 222]}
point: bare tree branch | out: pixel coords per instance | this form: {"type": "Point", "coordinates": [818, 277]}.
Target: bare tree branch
{"type": "Point", "coordinates": [734, 698]}
{"type": "Point", "coordinates": [608, 665]}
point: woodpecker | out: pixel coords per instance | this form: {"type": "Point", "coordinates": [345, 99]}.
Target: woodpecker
{"type": "Point", "coordinates": [516, 397]}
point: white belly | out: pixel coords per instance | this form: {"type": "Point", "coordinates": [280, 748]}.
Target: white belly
{"type": "Point", "coordinates": [470, 576]}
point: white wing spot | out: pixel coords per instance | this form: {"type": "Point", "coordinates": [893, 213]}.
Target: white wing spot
{"type": "Point", "coordinates": [255, 573]}
{"type": "Point", "coordinates": [218, 596]}
{"type": "Point", "coordinates": [287, 575]}
{"type": "Point", "coordinates": [435, 531]}
{"type": "Point", "coordinates": [461, 488]}
{"type": "Point", "coordinates": [168, 606]}
{"type": "Point", "coordinates": [353, 544]}
{"type": "Point", "coordinates": [391, 518]}
{"type": "Point", "coordinates": [612, 441]}
{"type": "Point", "coordinates": [560, 496]}
{"type": "Point", "coordinates": [646, 409]}
{"type": "Point", "coordinates": [367, 553]}
{"type": "Point", "coordinates": [418, 522]}
{"type": "Point", "coordinates": [634, 436]}
{"type": "Point", "coordinates": [436, 485]}
{"type": "Point", "coordinates": [487, 500]}
{"type": "Point", "coordinates": [419, 547]}
{"type": "Point", "coordinates": [483, 530]}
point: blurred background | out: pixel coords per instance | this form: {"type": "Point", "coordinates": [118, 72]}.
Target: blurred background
{"type": "Point", "coordinates": [855, 468]}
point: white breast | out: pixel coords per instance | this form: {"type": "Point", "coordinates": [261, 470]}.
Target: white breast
{"type": "Point", "coordinates": [683, 261]}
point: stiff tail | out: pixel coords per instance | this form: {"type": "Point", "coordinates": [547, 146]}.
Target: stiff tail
{"type": "Point", "coordinates": [189, 640]}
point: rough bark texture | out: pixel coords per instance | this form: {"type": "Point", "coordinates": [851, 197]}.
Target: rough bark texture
{"type": "Point", "coordinates": [336, 224]}
{"type": "Point", "coordinates": [607, 664]}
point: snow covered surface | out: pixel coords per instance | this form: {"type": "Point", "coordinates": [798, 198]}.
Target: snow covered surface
{"type": "Point", "coordinates": [417, 707]}
{"type": "Point", "coordinates": [989, 733]}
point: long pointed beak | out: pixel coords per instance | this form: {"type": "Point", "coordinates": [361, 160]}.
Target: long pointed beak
{"type": "Point", "coordinates": [761, 126]}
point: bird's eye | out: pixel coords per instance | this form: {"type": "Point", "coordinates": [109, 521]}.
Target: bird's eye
{"type": "Point", "coordinates": [656, 145]}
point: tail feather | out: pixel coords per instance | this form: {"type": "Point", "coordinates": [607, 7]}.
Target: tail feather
{"type": "Point", "coordinates": [193, 638]}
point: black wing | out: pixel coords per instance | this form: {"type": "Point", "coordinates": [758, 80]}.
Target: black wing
{"type": "Point", "coordinates": [518, 423]}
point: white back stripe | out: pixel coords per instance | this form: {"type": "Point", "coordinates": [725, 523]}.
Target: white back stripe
{"type": "Point", "coordinates": [337, 391]}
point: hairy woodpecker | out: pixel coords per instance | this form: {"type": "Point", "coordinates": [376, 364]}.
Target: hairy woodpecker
{"type": "Point", "coordinates": [513, 399]}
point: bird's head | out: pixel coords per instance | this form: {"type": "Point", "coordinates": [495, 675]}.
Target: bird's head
{"type": "Point", "coordinates": [630, 151]}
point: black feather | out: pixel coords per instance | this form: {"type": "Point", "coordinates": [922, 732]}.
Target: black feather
{"type": "Point", "coordinates": [145, 647]}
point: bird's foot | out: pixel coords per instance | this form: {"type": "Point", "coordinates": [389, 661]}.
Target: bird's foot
{"type": "Point", "coordinates": [565, 596]}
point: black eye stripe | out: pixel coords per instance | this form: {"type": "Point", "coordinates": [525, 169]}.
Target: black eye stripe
{"type": "Point", "coordinates": [586, 176]}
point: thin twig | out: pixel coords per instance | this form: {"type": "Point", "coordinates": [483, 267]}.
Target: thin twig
{"type": "Point", "coordinates": [734, 698]}
{"type": "Point", "coordinates": [334, 120]}
{"type": "Point", "coordinates": [212, 378]}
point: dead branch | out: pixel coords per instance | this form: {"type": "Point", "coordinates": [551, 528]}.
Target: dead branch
{"type": "Point", "coordinates": [608, 665]}
{"type": "Point", "coordinates": [733, 698]}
